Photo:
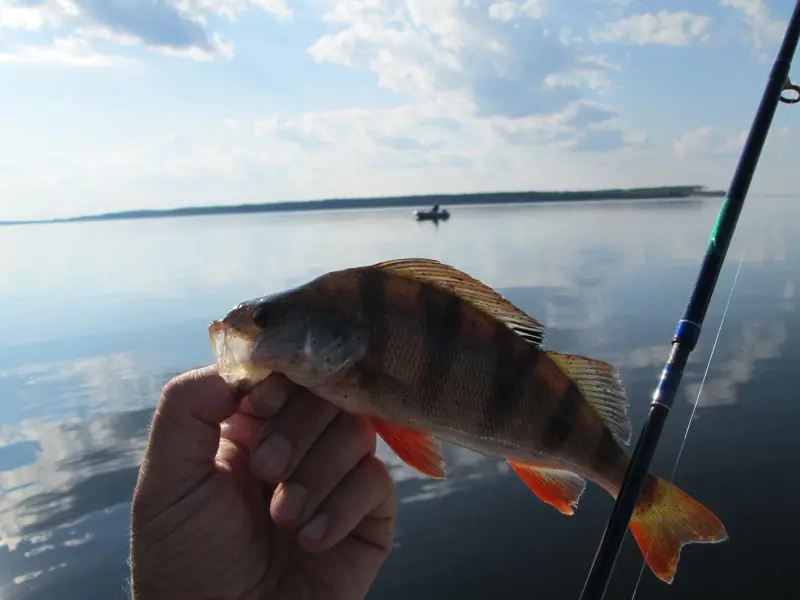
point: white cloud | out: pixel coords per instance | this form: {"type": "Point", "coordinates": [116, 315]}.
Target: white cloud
{"type": "Point", "coordinates": [704, 140]}
{"type": "Point", "coordinates": [580, 125]}
{"type": "Point", "coordinates": [34, 16]}
{"type": "Point", "coordinates": [278, 8]}
{"type": "Point", "coordinates": [508, 10]}
{"type": "Point", "coordinates": [482, 91]}
{"type": "Point", "coordinates": [427, 147]}
{"type": "Point", "coordinates": [667, 28]}
{"type": "Point", "coordinates": [460, 52]}
{"type": "Point", "coordinates": [179, 28]}
{"type": "Point", "coordinates": [232, 9]}
{"type": "Point", "coordinates": [697, 140]}
{"type": "Point", "coordinates": [433, 136]}
{"type": "Point", "coordinates": [69, 51]}
{"type": "Point", "coordinates": [765, 30]}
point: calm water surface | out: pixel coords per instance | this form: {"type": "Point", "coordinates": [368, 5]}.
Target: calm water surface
{"type": "Point", "coordinates": [98, 316]}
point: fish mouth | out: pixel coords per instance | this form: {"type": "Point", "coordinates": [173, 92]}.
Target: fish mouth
{"type": "Point", "coordinates": [217, 334]}
{"type": "Point", "coordinates": [233, 352]}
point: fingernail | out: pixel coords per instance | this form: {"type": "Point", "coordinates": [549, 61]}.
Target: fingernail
{"type": "Point", "coordinates": [289, 503]}
{"type": "Point", "coordinates": [274, 400]}
{"type": "Point", "coordinates": [316, 527]}
{"type": "Point", "coordinates": [273, 455]}
{"type": "Point", "coordinates": [269, 396]}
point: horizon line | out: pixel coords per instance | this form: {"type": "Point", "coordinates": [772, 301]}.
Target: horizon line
{"type": "Point", "coordinates": [407, 200]}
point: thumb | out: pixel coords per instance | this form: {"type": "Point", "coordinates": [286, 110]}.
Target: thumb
{"type": "Point", "coordinates": [184, 437]}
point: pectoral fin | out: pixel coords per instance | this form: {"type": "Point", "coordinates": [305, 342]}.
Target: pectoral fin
{"type": "Point", "coordinates": [416, 449]}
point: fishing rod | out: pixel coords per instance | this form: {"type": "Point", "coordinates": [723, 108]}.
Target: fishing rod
{"type": "Point", "coordinates": [779, 88]}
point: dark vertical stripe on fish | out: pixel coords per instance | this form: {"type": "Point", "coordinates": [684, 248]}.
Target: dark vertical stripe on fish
{"type": "Point", "coordinates": [510, 375]}
{"type": "Point", "coordinates": [563, 418]}
{"type": "Point", "coordinates": [374, 308]}
{"type": "Point", "coordinates": [607, 452]}
{"type": "Point", "coordinates": [443, 321]}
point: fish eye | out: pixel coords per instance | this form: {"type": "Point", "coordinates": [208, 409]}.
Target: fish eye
{"type": "Point", "coordinates": [265, 315]}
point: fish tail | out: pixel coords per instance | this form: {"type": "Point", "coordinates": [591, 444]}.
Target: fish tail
{"type": "Point", "coordinates": [664, 520]}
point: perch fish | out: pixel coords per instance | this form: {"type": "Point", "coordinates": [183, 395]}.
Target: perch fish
{"type": "Point", "coordinates": [425, 351]}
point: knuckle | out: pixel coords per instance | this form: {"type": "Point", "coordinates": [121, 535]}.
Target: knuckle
{"type": "Point", "coordinates": [188, 393]}
{"type": "Point", "coordinates": [376, 469]}
{"type": "Point", "coordinates": [357, 432]}
{"type": "Point", "coordinates": [331, 470]}
{"type": "Point", "coordinates": [172, 393]}
{"type": "Point", "coordinates": [185, 383]}
{"type": "Point", "coordinates": [307, 420]}
{"type": "Point", "coordinates": [366, 432]}
{"type": "Point", "coordinates": [174, 387]}
{"type": "Point", "coordinates": [378, 477]}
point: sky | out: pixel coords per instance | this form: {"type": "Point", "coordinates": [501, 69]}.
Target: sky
{"type": "Point", "coordinates": [109, 105]}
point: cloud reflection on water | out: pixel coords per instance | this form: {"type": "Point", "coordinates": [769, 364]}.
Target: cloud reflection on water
{"type": "Point", "coordinates": [462, 467]}
{"type": "Point", "coordinates": [84, 466]}
{"type": "Point", "coordinates": [77, 388]}
{"type": "Point", "coordinates": [71, 451]}
{"type": "Point", "coordinates": [760, 341]}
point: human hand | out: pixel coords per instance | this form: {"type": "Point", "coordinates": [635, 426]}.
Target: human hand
{"type": "Point", "coordinates": [226, 509]}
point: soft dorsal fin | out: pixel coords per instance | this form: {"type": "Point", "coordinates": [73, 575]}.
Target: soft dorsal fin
{"type": "Point", "coordinates": [600, 384]}
{"type": "Point", "coordinates": [471, 290]}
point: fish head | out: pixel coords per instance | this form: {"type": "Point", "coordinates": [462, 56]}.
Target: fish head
{"type": "Point", "coordinates": [292, 333]}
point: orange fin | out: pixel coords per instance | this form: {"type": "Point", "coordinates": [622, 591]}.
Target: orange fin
{"type": "Point", "coordinates": [416, 449]}
{"type": "Point", "coordinates": [558, 488]}
{"type": "Point", "coordinates": [470, 290]}
{"type": "Point", "coordinates": [666, 521]}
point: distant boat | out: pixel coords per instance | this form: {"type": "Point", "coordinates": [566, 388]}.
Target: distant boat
{"type": "Point", "coordinates": [435, 214]}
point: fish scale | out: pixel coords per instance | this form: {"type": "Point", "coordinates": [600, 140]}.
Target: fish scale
{"type": "Point", "coordinates": [425, 352]}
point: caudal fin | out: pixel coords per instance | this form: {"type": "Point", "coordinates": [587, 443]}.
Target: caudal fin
{"type": "Point", "coordinates": [665, 520]}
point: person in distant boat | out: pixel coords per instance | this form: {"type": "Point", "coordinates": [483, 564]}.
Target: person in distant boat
{"type": "Point", "coordinates": [276, 495]}
{"type": "Point", "coordinates": [436, 207]}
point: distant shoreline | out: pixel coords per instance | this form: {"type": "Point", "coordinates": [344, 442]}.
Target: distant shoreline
{"type": "Point", "coordinates": [648, 193]}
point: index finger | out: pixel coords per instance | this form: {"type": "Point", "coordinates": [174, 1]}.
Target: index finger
{"type": "Point", "coordinates": [183, 440]}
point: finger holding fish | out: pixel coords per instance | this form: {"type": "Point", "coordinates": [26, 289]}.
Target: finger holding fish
{"type": "Point", "coordinates": [332, 485]}
{"type": "Point", "coordinates": [335, 487]}
{"type": "Point", "coordinates": [268, 397]}
{"type": "Point", "coordinates": [362, 504]}
{"type": "Point", "coordinates": [343, 445]}
{"type": "Point", "coordinates": [261, 402]}
{"type": "Point", "coordinates": [241, 429]}
{"type": "Point", "coordinates": [286, 438]}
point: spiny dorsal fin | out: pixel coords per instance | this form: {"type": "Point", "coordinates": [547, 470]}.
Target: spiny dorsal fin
{"type": "Point", "coordinates": [471, 290]}
{"type": "Point", "coordinates": [600, 384]}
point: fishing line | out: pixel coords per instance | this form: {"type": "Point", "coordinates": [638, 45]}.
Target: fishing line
{"type": "Point", "coordinates": [691, 416]}
{"type": "Point", "coordinates": [777, 90]}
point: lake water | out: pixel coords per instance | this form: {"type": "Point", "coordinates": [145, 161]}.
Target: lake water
{"type": "Point", "coordinates": [98, 316]}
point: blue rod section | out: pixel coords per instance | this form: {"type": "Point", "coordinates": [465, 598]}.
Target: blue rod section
{"type": "Point", "coordinates": [688, 329]}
